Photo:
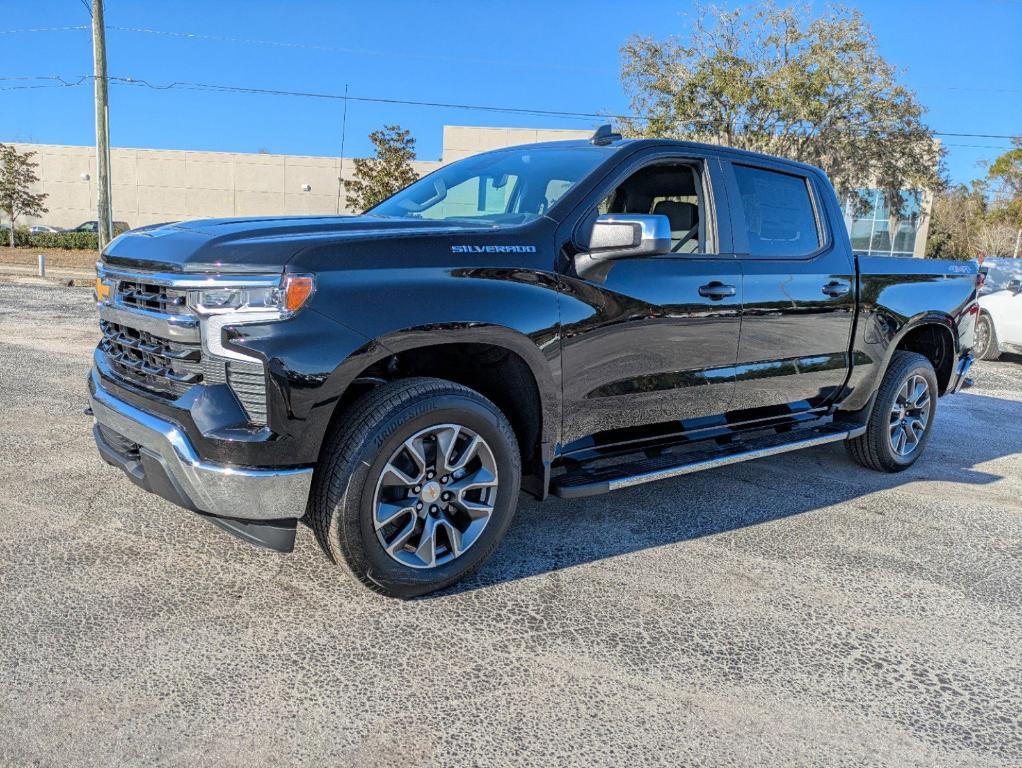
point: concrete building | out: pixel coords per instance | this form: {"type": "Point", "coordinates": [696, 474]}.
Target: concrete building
{"type": "Point", "coordinates": [878, 233]}
{"type": "Point", "coordinates": [157, 185]}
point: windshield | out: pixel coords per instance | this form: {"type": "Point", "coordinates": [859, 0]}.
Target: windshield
{"type": "Point", "coordinates": [1000, 272]}
{"type": "Point", "coordinates": [495, 189]}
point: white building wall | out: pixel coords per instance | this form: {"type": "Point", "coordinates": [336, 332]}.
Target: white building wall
{"type": "Point", "coordinates": [156, 185]}
{"type": "Point", "coordinates": [461, 141]}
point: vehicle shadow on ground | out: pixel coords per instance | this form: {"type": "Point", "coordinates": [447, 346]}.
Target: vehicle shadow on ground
{"type": "Point", "coordinates": [558, 534]}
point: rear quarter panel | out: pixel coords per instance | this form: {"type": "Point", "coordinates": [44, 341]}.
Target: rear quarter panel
{"type": "Point", "coordinates": [897, 295]}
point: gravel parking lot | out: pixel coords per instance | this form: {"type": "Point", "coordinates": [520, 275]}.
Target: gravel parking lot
{"type": "Point", "coordinates": [796, 610]}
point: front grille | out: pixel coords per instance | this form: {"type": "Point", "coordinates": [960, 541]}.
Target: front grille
{"type": "Point", "coordinates": [138, 294]}
{"type": "Point", "coordinates": [167, 367]}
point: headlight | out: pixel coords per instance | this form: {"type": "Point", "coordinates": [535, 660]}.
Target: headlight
{"type": "Point", "coordinates": [285, 299]}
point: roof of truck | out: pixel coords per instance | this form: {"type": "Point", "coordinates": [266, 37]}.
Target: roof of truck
{"type": "Point", "coordinates": [694, 146]}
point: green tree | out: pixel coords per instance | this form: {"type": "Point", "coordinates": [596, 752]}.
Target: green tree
{"type": "Point", "coordinates": [965, 225]}
{"type": "Point", "coordinates": [1005, 175]}
{"type": "Point", "coordinates": [983, 217]}
{"type": "Point", "coordinates": [956, 215]}
{"type": "Point", "coordinates": [17, 175]}
{"type": "Point", "coordinates": [379, 177]}
{"type": "Point", "coordinates": [1007, 170]}
{"type": "Point", "coordinates": [772, 79]}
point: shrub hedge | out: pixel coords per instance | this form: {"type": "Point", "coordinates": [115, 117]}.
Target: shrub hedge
{"type": "Point", "coordinates": [67, 240]}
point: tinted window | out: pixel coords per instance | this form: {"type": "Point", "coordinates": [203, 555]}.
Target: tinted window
{"type": "Point", "coordinates": [507, 187]}
{"type": "Point", "coordinates": [778, 213]}
{"type": "Point", "coordinates": [667, 189]}
{"type": "Point", "coordinates": [475, 197]}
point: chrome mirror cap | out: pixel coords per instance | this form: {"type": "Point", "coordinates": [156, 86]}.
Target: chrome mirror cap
{"type": "Point", "coordinates": [623, 236]}
{"type": "Point", "coordinates": [626, 235]}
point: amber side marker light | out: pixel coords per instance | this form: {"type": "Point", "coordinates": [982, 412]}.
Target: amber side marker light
{"type": "Point", "coordinates": [297, 290]}
{"type": "Point", "coordinates": [102, 291]}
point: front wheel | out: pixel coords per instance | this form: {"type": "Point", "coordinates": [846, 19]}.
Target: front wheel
{"type": "Point", "coordinates": [900, 423]}
{"type": "Point", "coordinates": [417, 486]}
{"type": "Point", "coordinates": [986, 347]}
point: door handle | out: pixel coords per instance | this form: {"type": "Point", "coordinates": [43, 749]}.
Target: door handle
{"type": "Point", "coordinates": [837, 288]}
{"type": "Point", "coordinates": [716, 290]}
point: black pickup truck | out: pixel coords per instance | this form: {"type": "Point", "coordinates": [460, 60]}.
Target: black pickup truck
{"type": "Point", "coordinates": [566, 318]}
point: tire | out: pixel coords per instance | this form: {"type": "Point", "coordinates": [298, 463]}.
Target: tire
{"type": "Point", "coordinates": [882, 445]}
{"type": "Point", "coordinates": [987, 347]}
{"type": "Point", "coordinates": [357, 481]}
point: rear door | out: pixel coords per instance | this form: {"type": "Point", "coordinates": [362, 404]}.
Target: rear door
{"type": "Point", "coordinates": [798, 290]}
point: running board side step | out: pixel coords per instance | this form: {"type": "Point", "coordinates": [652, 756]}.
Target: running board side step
{"type": "Point", "coordinates": [590, 482]}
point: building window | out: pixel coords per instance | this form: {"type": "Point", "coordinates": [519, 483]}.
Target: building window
{"type": "Point", "coordinates": [870, 230]}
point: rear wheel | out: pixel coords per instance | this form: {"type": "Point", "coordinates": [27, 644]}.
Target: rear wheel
{"type": "Point", "coordinates": [900, 423]}
{"type": "Point", "coordinates": [986, 347]}
{"type": "Point", "coordinates": [417, 487]}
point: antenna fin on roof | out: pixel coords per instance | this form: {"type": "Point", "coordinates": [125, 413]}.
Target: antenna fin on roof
{"type": "Point", "coordinates": [604, 135]}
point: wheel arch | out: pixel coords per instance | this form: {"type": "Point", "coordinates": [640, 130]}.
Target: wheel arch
{"type": "Point", "coordinates": [933, 336]}
{"type": "Point", "coordinates": [504, 365]}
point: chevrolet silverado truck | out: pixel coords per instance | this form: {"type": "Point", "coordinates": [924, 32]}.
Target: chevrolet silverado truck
{"type": "Point", "coordinates": [566, 319]}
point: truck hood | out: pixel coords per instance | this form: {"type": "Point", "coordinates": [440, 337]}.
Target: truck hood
{"type": "Point", "coordinates": [256, 244]}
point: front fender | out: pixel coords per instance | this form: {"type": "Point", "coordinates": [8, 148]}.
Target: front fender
{"type": "Point", "coordinates": [515, 309]}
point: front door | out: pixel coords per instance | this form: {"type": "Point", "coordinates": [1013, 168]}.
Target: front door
{"type": "Point", "coordinates": [798, 293]}
{"type": "Point", "coordinates": [649, 347]}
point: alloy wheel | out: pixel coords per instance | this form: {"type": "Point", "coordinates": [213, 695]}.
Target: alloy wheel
{"type": "Point", "coordinates": [910, 415]}
{"type": "Point", "coordinates": [982, 340]}
{"type": "Point", "coordinates": [435, 496]}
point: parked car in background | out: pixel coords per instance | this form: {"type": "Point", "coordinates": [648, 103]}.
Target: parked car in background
{"type": "Point", "coordinates": [43, 229]}
{"type": "Point", "coordinates": [999, 327]}
{"type": "Point", "coordinates": [93, 226]}
{"type": "Point", "coordinates": [998, 272]}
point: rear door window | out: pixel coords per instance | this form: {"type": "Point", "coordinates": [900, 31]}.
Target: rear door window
{"type": "Point", "coordinates": [779, 215]}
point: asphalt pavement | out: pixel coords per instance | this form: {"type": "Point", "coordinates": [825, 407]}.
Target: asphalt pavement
{"type": "Point", "coordinates": [798, 610]}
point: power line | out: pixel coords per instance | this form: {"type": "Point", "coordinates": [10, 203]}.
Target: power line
{"type": "Point", "coordinates": [978, 146]}
{"type": "Point", "coordinates": [526, 111]}
{"type": "Point", "coordinates": [44, 29]}
{"type": "Point", "coordinates": [475, 107]}
{"type": "Point", "coordinates": [391, 53]}
{"type": "Point", "coordinates": [355, 51]}
{"type": "Point", "coordinates": [977, 135]}
{"type": "Point", "coordinates": [189, 85]}
{"type": "Point", "coordinates": [61, 84]}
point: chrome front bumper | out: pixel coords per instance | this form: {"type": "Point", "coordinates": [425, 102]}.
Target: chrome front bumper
{"type": "Point", "coordinates": [164, 452]}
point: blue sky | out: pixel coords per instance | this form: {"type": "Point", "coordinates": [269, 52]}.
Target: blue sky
{"type": "Point", "coordinates": [962, 58]}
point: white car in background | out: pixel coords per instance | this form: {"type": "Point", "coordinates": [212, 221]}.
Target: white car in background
{"type": "Point", "coordinates": [999, 328]}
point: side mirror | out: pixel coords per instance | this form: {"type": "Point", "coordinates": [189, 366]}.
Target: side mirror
{"type": "Point", "coordinates": [1015, 286]}
{"type": "Point", "coordinates": [622, 236]}
{"type": "Point", "coordinates": [625, 236]}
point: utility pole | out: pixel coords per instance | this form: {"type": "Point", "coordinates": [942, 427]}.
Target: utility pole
{"type": "Point", "coordinates": [340, 167]}
{"type": "Point", "coordinates": [104, 215]}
